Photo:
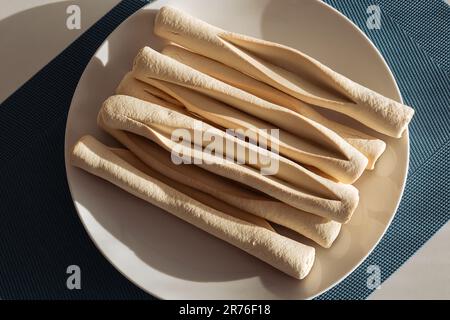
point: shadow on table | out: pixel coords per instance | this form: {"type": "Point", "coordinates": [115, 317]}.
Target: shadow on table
{"type": "Point", "coordinates": [32, 38]}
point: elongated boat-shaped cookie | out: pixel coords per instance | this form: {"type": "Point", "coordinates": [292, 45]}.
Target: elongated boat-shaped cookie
{"type": "Point", "coordinates": [289, 256]}
{"type": "Point", "coordinates": [204, 198]}
{"type": "Point", "coordinates": [322, 231]}
{"type": "Point", "coordinates": [132, 87]}
{"type": "Point", "coordinates": [286, 69]}
{"type": "Point", "coordinates": [318, 229]}
{"type": "Point", "coordinates": [291, 183]}
{"type": "Point", "coordinates": [289, 145]}
{"type": "Point", "coordinates": [235, 107]}
{"type": "Point", "coordinates": [370, 146]}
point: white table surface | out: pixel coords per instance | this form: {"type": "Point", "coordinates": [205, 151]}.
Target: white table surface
{"type": "Point", "coordinates": [33, 32]}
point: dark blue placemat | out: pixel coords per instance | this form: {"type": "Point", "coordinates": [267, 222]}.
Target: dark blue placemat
{"type": "Point", "coordinates": [424, 85]}
{"type": "Point", "coordinates": [40, 233]}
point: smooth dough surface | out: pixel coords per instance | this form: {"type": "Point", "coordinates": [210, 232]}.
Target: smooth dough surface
{"type": "Point", "coordinates": [368, 145]}
{"type": "Point", "coordinates": [292, 184]}
{"type": "Point", "coordinates": [229, 105]}
{"type": "Point", "coordinates": [291, 257]}
{"type": "Point", "coordinates": [322, 231]}
{"type": "Point", "coordinates": [286, 69]}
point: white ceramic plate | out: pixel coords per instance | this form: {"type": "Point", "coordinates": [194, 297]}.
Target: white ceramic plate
{"type": "Point", "coordinates": [173, 260]}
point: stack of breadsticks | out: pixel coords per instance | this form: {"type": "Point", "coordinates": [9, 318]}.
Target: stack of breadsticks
{"type": "Point", "coordinates": [225, 80]}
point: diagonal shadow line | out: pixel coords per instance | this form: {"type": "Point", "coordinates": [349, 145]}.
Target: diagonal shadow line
{"type": "Point", "coordinates": [349, 288]}
{"type": "Point", "coordinates": [429, 159]}
{"type": "Point", "coordinates": [408, 232]}
{"type": "Point", "coordinates": [411, 38]}
{"type": "Point", "coordinates": [32, 111]}
{"type": "Point", "coordinates": [435, 6]}
{"type": "Point", "coordinates": [35, 115]}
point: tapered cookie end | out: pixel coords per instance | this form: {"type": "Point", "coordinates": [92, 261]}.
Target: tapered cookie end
{"type": "Point", "coordinates": [408, 114]}
{"type": "Point", "coordinates": [349, 200]}
{"type": "Point", "coordinates": [376, 150]}
{"type": "Point", "coordinates": [142, 59]}
{"type": "Point", "coordinates": [80, 151]}
{"type": "Point", "coordinates": [329, 231]}
{"type": "Point", "coordinates": [163, 18]}
{"type": "Point", "coordinates": [306, 262]}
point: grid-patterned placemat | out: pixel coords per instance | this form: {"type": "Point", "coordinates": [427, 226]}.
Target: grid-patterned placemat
{"type": "Point", "coordinates": [413, 49]}
{"type": "Point", "coordinates": [40, 233]}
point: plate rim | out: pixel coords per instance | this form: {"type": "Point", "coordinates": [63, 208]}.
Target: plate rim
{"type": "Point", "coordinates": [405, 172]}
{"type": "Point", "coordinates": [406, 134]}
